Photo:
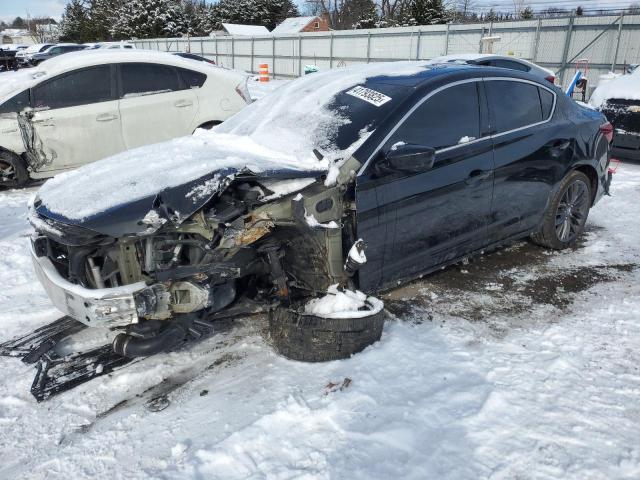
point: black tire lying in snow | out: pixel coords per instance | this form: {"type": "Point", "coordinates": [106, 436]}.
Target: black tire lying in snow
{"type": "Point", "coordinates": [309, 338]}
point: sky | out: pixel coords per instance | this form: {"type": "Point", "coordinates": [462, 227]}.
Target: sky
{"type": "Point", "coordinates": [9, 9]}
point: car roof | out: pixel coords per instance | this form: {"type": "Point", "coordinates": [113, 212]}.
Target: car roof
{"type": "Point", "coordinates": [88, 58]}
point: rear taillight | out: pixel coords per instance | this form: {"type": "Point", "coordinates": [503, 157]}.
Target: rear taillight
{"type": "Point", "coordinates": [550, 78]}
{"type": "Point", "coordinates": [607, 130]}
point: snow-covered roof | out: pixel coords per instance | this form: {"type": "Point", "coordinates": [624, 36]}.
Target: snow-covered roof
{"type": "Point", "coordinates": [623, 87]}
{"type": "Point", "coordinates": [293, 24]}
{"type": "Point", "coordinates": [248, 30]}
{"type": "Point", "coordinates": [14, 32]}
{"type": "Point", "coordinates": [14, 82]}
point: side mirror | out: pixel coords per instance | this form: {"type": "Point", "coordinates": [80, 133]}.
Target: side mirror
{"type": "Point", "coordinates": [410, 158]}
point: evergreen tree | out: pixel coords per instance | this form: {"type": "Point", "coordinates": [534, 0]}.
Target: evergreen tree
{"type": "Point", "coordinates": [76, 25]}
{"type": "Point", "coordinates": [428, 12]}
{"type": "Point", "coordinates": [579, 11]}
{"type": "Point", "coordinates": [149, 19]}
{"type": "Point", "coordinates": [18, 22]}
{"type": "Point", "coordinates": [527, 13]}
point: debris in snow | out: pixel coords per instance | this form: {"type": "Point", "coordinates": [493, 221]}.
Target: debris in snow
{"type": "Point", "coordinates": [343, 303]}
{"type": "Point", "coordinates": [313, 223]}
{"type": "Point", "coordinates": [334, 387]}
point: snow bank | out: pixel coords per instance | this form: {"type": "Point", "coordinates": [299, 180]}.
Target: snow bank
{"type": "Point", "coordinates": [626, 87]}
{"type": "Point", "coordinates": [339, 303]}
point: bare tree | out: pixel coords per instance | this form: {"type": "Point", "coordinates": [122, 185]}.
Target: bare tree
{"type": "Point", "coordinates": [634, 9]}
{"type": "Point", "coordinates": [519, 6]}
{"type": "Point", "coordinates": [43, 29]}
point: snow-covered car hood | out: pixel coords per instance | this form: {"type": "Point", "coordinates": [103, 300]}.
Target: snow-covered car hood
{"type": "Point", "coordinates": [174, 179]}
{"type": "Point", "coordinates": [623, 87]}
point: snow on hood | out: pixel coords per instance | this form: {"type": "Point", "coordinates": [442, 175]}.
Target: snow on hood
{"type": "Point", "coordinates": [624, 87]}
{"type": "Point", "coordinates": [146, 171]}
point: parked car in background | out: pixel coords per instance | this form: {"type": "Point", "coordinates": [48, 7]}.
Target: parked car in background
{"type": "Point", "coordinates": [84, 106]}
{"type": "Point", "coordinates": [423, 165]}
{"type": "Point", "coordinates": [619, 99]}
{"type": "Point", "coordinates": [54, 51]}
{"type": "Point", "coordinates": [24, 56]}
{"type": "Point", "coordinates": [197, 58]}
{"type": "Point", "coordinates": [110, 45]}
{"type": "Point", "coordinates": [501, 61]}
{"type": "Point", "coordinates": [8, 56]}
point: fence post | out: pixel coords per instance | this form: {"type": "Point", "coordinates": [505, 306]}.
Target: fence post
{"type": "Point", "coordinates": [331, 51]}
{"type": "Point", "coordinates": [253, 41]}
{"type": "Point", "coordinates": [202, 47]}
{"type": "Point", "coordinates": [418, 44]}
{"type": "Point", "coordinates": [446, 40]}
{"type": "Point", "coordinates": [368, 46]}
{"type": "Point", "coordinates": [615, 57]}
{"type": "Point", "coordinates": [217, 61]}
{"type": "Point", "coordinates": [233, 52]}
{"type": "Point", "coordinates": [273, 55]}
{"type": "Point", "coordinates": [299, 55]}
{"type": "Point", "coordinates": [536, 41]}
{"type": "Point", "coordinates": [565, 51]}
{"type": "Point", "coordinates": [481, 37]}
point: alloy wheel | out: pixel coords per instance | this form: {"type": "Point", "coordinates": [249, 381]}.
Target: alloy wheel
{"type": "Point", "coordinates": [572, 211]}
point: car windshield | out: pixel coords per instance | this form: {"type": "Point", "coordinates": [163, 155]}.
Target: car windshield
{"type": "Point", "coordinates": [330, 111]}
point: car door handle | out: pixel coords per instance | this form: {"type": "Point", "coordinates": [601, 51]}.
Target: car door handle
{"type": "Point", "coordinates": [107, 117]}
{"type": "Point", "coordinates": [477, 176]}
{"type": "Point", "coordinates": [183, 103]}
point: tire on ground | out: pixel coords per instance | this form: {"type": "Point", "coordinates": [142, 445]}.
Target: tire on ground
{"type": "Point", "coordinates": [309, 338]}
{"type": "Point", "coordinates": [20, 175]}
{"type": "Point", "coordinates": [546, 236]}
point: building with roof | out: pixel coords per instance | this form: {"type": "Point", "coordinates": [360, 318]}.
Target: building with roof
{"type": "Point", "coordinates": [244, 30]}
{"type": "Point", "coordinates": [303, 24]}
{"type": "Point", "coordinates": [16, 36]}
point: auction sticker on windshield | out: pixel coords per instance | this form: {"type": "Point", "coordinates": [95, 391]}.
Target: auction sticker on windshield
{"type": "Point", "coordinates": [368, 95]}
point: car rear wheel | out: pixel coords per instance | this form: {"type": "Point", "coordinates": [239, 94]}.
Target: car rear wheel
{"type": "Point", "coordinates": [567, 213]}
{"type": "Point", "coordinates": [13, 172]}
{"type": "Point", "coordinates": [309, 338]}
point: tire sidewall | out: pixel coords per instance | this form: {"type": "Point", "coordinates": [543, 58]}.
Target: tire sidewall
{"type": "Point", "coordinates": [21, 173]}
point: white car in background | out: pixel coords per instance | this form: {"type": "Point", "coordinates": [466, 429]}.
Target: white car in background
{"type": "Point", "coordinates": [23, 57]}
{"type": "Point", "coordinates": [84, 106]}
{"type": "Point", "coordinates": [501, 61]}
{"type": "Point", "coordinates": [110, 45]}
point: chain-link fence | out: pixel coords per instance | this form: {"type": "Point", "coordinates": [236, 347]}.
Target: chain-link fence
{"type": "Point", "coordinates": [602, 43]}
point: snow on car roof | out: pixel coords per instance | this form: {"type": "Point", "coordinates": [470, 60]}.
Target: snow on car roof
{"type": "Point", "coordinates": [293, 24]}
{"type": "Point", "coordinates": [10, 85]}
{"type": "Point", "coordinates": [624, 87]}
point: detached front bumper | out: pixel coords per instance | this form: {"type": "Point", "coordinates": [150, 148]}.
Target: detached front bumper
{"type": "Point", "coordinates": [107, 307]}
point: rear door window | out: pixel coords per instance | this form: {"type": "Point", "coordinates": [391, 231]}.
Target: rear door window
{"type": "Point", "coordinates": [82, 87]}
{"type": "Point", "coordinates": [449, 118]}
{"type": "Point", "coordinates": [546, 99]}
{"type": "Point", "coordinates": [191, 79]}
{"type": "Point", "coordinates": [512, 104]}
{"type": "Point", "coordinates": [147, 79]}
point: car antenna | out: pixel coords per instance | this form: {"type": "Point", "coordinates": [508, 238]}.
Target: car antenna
{"type": "Point", "coordinates": [318, 155]}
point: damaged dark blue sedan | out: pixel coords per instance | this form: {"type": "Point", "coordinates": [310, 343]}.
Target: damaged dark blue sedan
{"type": "Point", "coordinates": [339, 183]}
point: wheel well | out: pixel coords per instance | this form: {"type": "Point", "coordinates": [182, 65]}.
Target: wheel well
{"type": "Point", "coordinates": [592, 175]}
{"type": "Point", "coordinates": [210, 125]}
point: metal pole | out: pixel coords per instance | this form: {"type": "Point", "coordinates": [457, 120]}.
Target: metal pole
{"type": "Point", "coordinates": [233, 52]}
{"type": "Point", "coordinates": [202, 47]}
{"type": "Point", "coordinates": [446, 40]}
{"type": "Point", "coordinates": [480, 43]}
{"type": "Point", "coordinates": [331, 51]}
{"type": "Point", "coordinates": [273, 55]}
{"type": "Point", "coordinates": [253, 40]}
{"type": "Point", "coordinates": [217, 60]}
{"type": "Point", "coordinates": [615, 57]}
{"type": "Point", "coordinates": [299, 55]}
{"type": "Point", "coordinates": [418, 45]}
{"type": "Point", "coordinates": [536, 41]}
{"type": "Point", "coordinates": [565, 52]}
{"type": "Point", "coordinates": [368, 46]}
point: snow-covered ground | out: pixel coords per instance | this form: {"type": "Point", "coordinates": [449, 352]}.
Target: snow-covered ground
{"type": "Point", "coordinates": [522, 364]}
